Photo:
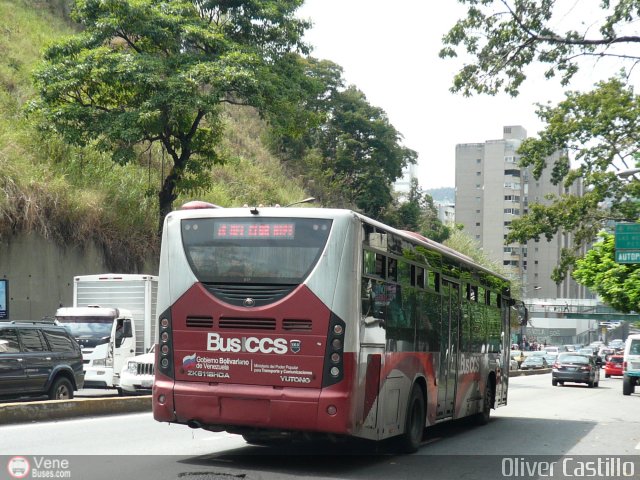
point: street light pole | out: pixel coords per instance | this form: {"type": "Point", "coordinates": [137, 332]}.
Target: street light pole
{"type": "Point", "coordinates": [628, 173]}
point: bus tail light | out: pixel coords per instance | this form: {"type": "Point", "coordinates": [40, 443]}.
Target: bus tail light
{"type": "Point", "coordinates": [165, 362]}
{"type": "Point", "coordinates": [334, 354]}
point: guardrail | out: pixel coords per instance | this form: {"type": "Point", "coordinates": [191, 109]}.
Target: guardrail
{"type": "Point", "coordinates": [520, 373]}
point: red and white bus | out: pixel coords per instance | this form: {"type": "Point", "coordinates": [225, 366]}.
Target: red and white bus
{"type": "Point", "coordinates": [287, 321]}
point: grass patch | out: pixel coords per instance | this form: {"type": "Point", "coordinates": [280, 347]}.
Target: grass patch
{"type": "Point", "coordinates": [79, 196]}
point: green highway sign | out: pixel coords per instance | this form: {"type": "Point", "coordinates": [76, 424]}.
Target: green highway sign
{"type": "Point", "coordinates": [627, 243]}
{"type": "Point", "coordinates": [627, 256]}
{"type": "Point", "coordinates": [628, 236]}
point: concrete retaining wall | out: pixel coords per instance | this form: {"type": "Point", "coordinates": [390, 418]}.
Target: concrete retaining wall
{"type": "Point", "coordinates": [39, 284]}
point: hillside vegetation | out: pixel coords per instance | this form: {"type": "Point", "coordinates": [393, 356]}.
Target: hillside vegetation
{"type": "Point", "coordinates": [76, 196]}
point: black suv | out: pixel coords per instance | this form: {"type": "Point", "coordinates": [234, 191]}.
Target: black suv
{"type": "Point", "coordinates": [38, 360]}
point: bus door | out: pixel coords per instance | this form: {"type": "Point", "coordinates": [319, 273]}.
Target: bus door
{"type": "Point", "coordinates": [372, 349]}
{"type": "Point", "coordinates": [449, 335]}
{"type": "Point", "coordinates": [382, 339]}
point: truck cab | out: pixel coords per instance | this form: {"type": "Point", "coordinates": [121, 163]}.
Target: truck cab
{"type": "Point", "coordinates": [107, 337]}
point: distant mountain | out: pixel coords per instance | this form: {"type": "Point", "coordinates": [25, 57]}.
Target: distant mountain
{"type": "Point", "coordinates": [443, 194]}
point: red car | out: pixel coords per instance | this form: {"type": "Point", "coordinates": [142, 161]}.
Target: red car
{"type": "Point", "coordinates": [613, 366]}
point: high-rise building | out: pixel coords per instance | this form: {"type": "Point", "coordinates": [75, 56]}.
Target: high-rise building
{"type": "Point", "coordinates": [492, 191]}
{"type": "Point", "coordinates": [402, 186]}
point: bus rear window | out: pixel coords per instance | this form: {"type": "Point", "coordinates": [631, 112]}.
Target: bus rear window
{"type": "Point", "coordinates": [254, 250]}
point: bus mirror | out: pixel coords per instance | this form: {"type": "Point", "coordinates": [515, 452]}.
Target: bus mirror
{"type": "Point", "coordinates": [371, 321]}
{"type": "Point", "coordinates": [377, 317]}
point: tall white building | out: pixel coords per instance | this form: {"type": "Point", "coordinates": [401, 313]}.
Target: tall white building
{"type": "Point", "coordinates": [492, 191]}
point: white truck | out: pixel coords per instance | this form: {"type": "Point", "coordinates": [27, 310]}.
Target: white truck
{"type": "Point", "coordinates": [113, 318]}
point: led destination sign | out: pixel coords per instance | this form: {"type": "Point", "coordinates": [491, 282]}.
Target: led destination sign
{"type": "Point", "coordinates": [235, 230]}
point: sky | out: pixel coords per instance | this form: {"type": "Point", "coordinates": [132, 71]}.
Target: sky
{"type": "Point", "coordinates": [389, 51]}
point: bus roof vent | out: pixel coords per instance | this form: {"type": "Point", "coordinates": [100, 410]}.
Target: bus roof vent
{"type": "Point", "coordinates": [196, 204]}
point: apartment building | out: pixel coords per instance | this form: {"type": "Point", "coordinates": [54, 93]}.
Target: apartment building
{"type": "Point", "coordinates": [402, 186]}
{"type": "Point", "coordinates": [492, 191]}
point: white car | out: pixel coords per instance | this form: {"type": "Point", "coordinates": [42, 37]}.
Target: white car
{"type": "Point", "coordinates": [137, 377]}
{"type": "Point", "coordinates": [631, 365]}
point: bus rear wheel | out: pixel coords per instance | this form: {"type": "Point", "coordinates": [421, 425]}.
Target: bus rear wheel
{"type": "Point", "coordinates": [414, 423]}
{"type": "Point", "coordinates": [483, 417]}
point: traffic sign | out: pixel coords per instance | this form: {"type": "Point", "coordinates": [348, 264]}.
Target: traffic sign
{"type": "Point", "coordinates": [627, 243]}
{"type": "Point", "coordinates": [627, 256]}
{"type": "Point", "coordinates": [628, 236]}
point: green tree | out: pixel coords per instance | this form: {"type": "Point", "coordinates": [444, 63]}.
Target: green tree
{"type": "Point", "coordinates": [462, 242]}
{"type": "Point", "coordinates": [417, 213]}
{"type": "Point", "coordinates": [361, 151]}
{"type": "Point", "coordinates": [150, 71]}
{"type": "Point", "coordinates": [502, 37]}
{"type": "Point", "coordinates": [617, 284]}
{"type": "Point", "coordinates": [598, 130]}
{"type": "Point", "coordinates": [318, 83]}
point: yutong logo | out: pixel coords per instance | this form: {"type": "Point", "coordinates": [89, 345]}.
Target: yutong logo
{"type": "Point", "coordinates": [215, 343]}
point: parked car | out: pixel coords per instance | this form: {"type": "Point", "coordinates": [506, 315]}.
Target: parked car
{"type": "Point", "coordinates": [534, 362]}
{"type": "Point", "coordinates": [518, 356]}
{"type": "Point", "coordinates": [613, 366]}
{"type": "Point", "coordinates": [576, 368]}
{"type": "Point", "coordinates": [137, 377]}
{"type": "Point", "coordinates": [551, 358]}
{"type": "Point", "coordinates": [631, 364]}
{"type": "Point", "coordinates": [604, 353]}
{"type": "Point", "coordinates": [537, 353]}
{"type": "Point", "coordinates": [617, 344]}
{"type": "Point", "coordinates": [595, 346]}
{"type": "Point", "coordinates": [38, 359]}
{"type": "Point", "coordinates": [586, 351]}
{"type": "Point", "coordinates": [513, 364]}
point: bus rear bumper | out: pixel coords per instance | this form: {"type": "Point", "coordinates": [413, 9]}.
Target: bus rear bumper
{"type": "Point", "coordinates": [236, 408]}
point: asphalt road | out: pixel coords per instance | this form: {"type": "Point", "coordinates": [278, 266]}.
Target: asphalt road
{"type": "Point", "coordinates": [541, 424]}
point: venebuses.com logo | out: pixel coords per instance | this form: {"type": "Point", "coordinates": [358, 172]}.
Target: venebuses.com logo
{"type": "Point", "coordinates": [38, 467]}
{"type": "Point", "coordinates": [18, 467]}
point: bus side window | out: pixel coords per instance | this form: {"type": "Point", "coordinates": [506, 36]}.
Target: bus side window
{"type": "Point", "coordinates": [420, 277]}
{"type": "Point", "coordinates": [393, 270]}
{"type": "Point", "coordinates": [381, 265]}
{"type": "Point", "coordinates": [369, 263]}
{"type": "Point", "coordinates": [400, 318]}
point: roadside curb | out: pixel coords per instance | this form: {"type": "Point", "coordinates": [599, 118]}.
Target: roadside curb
{"type": "Point", "coordinates": [39, 411]}
{"type": "Point", "coordinates": [521, 373]}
